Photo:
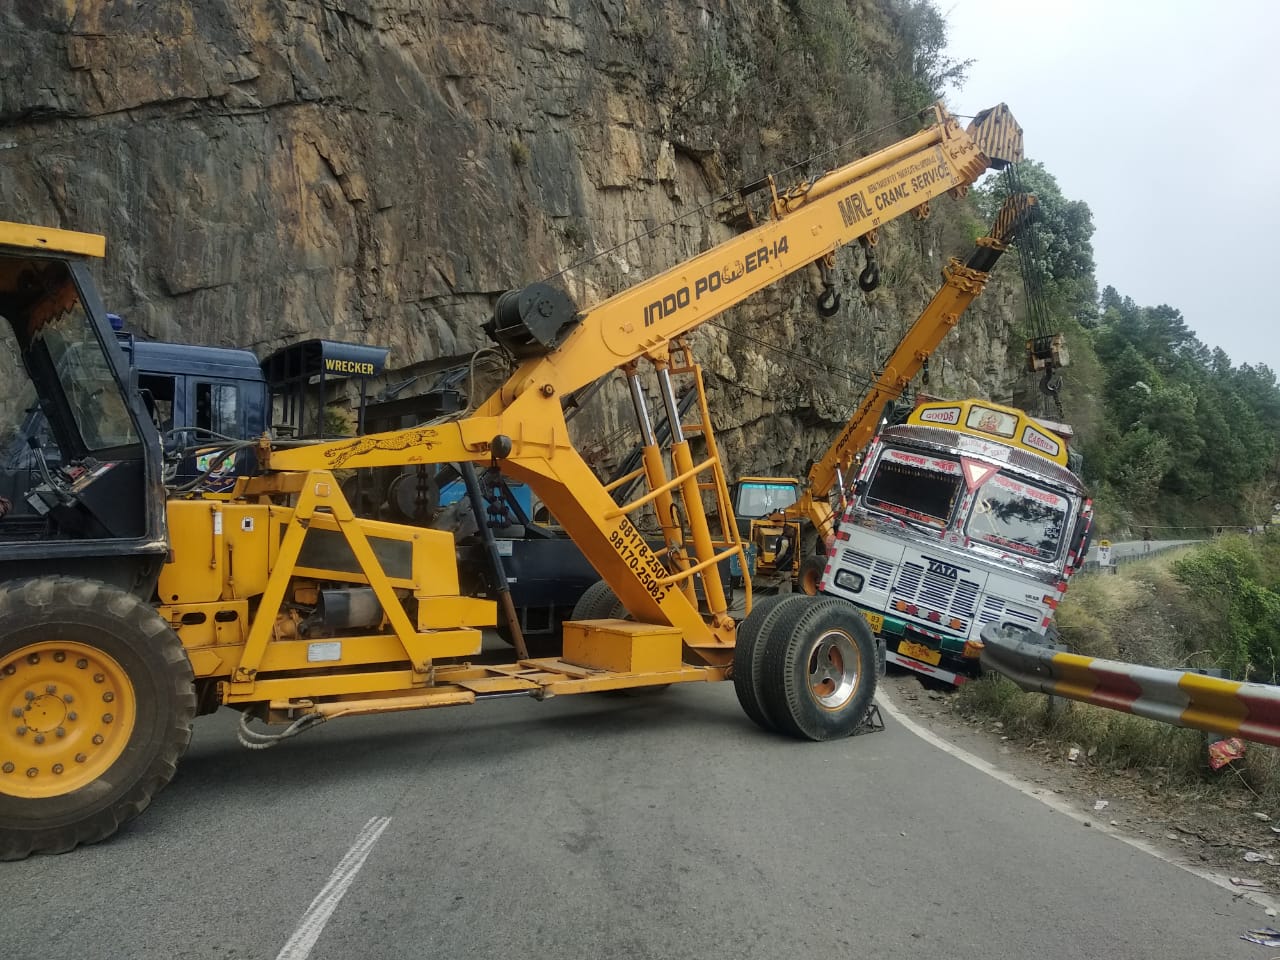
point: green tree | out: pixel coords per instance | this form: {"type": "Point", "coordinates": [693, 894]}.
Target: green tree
{"type": "Point", "coordinates": [1060, 244]}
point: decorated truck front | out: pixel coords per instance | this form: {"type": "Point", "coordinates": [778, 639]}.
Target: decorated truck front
{"type": "Point", "coordinates": [963, 516]}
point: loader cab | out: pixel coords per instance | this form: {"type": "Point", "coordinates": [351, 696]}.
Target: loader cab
{"type": "Point", "coordinates": [774, 543]}
{"type": "Point", "coordinates": [96, 505]}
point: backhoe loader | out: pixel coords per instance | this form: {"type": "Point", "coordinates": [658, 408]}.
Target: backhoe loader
{"type": "Point", "coordinates": [125, 611]}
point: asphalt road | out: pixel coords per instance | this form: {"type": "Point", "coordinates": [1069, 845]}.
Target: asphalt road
{"type": "Point", "coordinates": [607, 827]}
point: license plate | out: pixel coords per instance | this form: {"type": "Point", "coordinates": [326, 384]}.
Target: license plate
{"type": "Point", "coordinates": [918, 651]}
{"type": "Point", "coordinates": [876, 621]}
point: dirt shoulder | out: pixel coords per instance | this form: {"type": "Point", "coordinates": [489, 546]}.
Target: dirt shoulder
{"type": "Point", "coordinates": [1219, 825]}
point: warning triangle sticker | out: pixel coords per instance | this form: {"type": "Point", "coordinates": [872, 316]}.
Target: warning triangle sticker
{"type": "Point", "coordinates": [976, 473]}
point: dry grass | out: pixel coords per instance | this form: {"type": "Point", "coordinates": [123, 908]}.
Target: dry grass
{"type": "Point", "coordinates": [1141, 614]}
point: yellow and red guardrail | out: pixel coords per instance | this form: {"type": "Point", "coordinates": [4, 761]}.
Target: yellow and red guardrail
{"type": "Point", "coordinates": [1250, 711]}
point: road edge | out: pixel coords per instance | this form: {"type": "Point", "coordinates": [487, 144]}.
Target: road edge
{"type": "Point", "coordinates": [1049, 799]}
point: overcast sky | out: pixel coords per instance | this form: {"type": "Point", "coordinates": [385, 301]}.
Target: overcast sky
{"type": "Point", "coordinates": [1163, 117]}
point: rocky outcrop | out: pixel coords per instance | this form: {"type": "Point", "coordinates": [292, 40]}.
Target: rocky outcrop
{"type": "Point", "coordinates": [378, 170]}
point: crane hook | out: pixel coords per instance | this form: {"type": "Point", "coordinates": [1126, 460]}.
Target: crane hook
{"type": "Point", "coordinates": [829, 300]}
{"type": "Point", "coordinates": [1050, 385]}
{"type": "Point", "coordinates": [869, 278]}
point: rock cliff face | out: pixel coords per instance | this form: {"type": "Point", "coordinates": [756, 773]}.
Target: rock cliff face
{"type": "Point", "coordinates": [378, 170]}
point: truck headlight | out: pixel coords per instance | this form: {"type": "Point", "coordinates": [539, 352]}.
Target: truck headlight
{"type": "Point", "coordinates": [848, 580]}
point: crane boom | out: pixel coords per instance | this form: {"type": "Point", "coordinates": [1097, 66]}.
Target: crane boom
{"type": "Point", "coordinates": [808, 222]}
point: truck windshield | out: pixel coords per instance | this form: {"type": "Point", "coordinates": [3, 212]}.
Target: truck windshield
{"type": "Point", "coordinates": [919, 488]}
{"type": "Point", "coordinates": [1018, 517]}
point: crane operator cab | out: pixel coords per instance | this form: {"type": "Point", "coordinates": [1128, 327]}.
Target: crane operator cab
{"type": "Point", "coordinates": [83, 488]}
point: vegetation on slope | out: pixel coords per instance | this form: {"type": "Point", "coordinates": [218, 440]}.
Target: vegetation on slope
{"type": "Point", "coordinates": [1214, 606]}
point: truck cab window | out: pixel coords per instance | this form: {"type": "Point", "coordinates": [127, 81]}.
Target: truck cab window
{"type": "Point", "coordinates": [217, 409]}
{"type": "Point", "coordinates": [915, 488]}
{"type": "Point", "coordinates": [762, 499]}
{"type": "Point", "coordinates": [157, 393]}
{"type": "Point", "coordinates": [1018, 517]}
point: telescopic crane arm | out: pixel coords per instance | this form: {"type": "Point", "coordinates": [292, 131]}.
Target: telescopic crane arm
{"type": "Point", "coordinates": [809, 221]}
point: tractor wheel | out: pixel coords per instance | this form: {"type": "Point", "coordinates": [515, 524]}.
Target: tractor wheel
{"type": "Point", "coordinates": [819, 669]}
{"type": "Point", "coordinates": [811, 571]}
{"type": "Point", "coordinates": [599, 602]}
{"type": "Point", "coordinates": [748, 655]}
{"type": "Point", "coordinates": [96, 704]}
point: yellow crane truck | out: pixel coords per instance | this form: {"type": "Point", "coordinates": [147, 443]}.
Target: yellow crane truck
{"type": "Point", "coordinates": [126, 609]}
{"type": "Point", "coordinates": [773, 511]}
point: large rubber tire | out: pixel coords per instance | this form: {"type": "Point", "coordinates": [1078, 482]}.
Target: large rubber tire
{"type": "Point", "coordinates": [106, 698]}
{"type": "Point", "coordinates": [748, 655]}
{"type": "Point", "coordinates": [811, 571]}
{"type": "Point", "coordinates": [599, 602]}
{"type": "Point", "coordinates": [819, 671]}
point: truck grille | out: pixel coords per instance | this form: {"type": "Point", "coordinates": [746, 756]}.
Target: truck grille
{"type": "Point", "coordinates": [878, 572]}
{"type": "Point", "coordinates": [994, 609]}
{"type": "Point", "coordinates": [951, 598]}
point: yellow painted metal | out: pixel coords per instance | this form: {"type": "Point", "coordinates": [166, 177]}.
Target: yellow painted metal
{"type": "Point", "coordinates": [1213, 703]}
{"type": "Point", "coordinates": [69, 710]}
{"type": "Point", "coordinates": [419, 701]}
{"type": "Point", "coordinates": [438, 613]}
{"type": "Point", "coordinates": [217, 623]}
{"type": "Point", "coordinates": [320, 505]}
{"type": "Point", "coordinates": [621, 646]}
{"type": "Point", "coordinates": [664, 506]}
{"type": "Point", "coordinates": [1076, 681]}
{"type": "Point", "coordinates": [51, 239]}
{"type": "Point", "coordinates": [682, 358]}
{"type": "Point", "coordinates": [992, 422]}
{"type": "Point", "coordinates": [246, 529]}
{"type": "Point", "coordinates": [195, 573]}
{"type": "Point", "coordinates": [603, 682]}
{"type": "Point", "coordinates": [309, 686]}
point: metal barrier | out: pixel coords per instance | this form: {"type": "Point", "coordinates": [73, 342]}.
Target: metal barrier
{"type": "Point", "coordinates": [1120, 559]}
{"type": "Point", "coordinates": [1247, 710]}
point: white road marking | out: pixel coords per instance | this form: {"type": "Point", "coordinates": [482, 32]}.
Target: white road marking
{"type": "Point", "coordinates": [326, 901]}
{"type": "Point", "coordinates": [1063, 807]}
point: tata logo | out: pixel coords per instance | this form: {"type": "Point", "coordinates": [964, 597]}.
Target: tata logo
{"type": "Point", "coordinates": [943, 569]}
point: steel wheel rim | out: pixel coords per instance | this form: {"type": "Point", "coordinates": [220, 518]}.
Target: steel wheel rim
{"type": "Point", "coordinates": [68, 711]}
{"type": "Point", "coordinates": [834, 664]}
{"type": "Point", "coordinates": [809, 580]}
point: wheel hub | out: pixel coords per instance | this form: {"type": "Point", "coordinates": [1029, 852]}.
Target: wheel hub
{"type": "Point", "coordinates": [67, 711]}
{"type": "Point", "coordinates": [45, 713]}
{"type": "Point", "coordinates": [833, 669]}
